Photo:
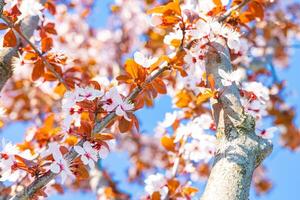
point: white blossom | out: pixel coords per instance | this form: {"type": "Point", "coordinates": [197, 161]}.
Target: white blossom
{"type": "Point", "coordinates": [142, 60]}
{"type": "Point", "coordinates": [87, 154]}
{"type": "Point", "coordinates": [60, 166]}
{"type": "Point", "coordinates": [30, 8]}
{"type": "Point", "coordinates": [156, 183]}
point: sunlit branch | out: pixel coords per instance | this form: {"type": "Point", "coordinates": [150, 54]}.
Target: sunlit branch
{"type": "Point", "coordinates": [48, 65]}
{"type": "Point", "coordinates": [230, 10]}
{"type": "Point", "coordinates": [40, 182]}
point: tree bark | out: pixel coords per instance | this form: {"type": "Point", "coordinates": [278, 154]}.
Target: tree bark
{"type": "Point", "coordinates": [239, 149]}
{"type": "Point", "coordinates": [28, 26]}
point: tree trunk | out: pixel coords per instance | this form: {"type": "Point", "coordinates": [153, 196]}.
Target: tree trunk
{"type": "Point", "coordinates": [239, 149]}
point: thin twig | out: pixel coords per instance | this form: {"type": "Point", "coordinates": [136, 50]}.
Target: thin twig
{"type": "Point", "coordinates": [230, 10]}
{"type": "Point", "coordinates": [48, 65]}
{"type": "Point", "coordinates": [40, 182]}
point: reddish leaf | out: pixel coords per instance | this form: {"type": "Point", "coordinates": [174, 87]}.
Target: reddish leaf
{"type": "Point", "coordinates": [38, 70]}
{"type": "Point", "coordinates": [47, 44]}
{"type": "Point", "coordinates": [173, 184]}
{"type": "Point", "coordinates": [257, 9]}
{"type": "Point", "coordinates": [246, 17]}
{"type": "Point", "coordinates": [124, 125]}
{"type": "Point", "coordinates": [9, 40]}
{"type": "Point", "coordinates": [155, 196]}
{"type": "Point", "coordinates": [50, 28]}
{"type": "Point", "coordinates": [58, 188]}
{"type": "Point", "coordinates": [81, 172]}
{"type": "Point", "coordinates": [49, 77]}
{"type": "Point", "coordinates": [159, 85]}
{"type": "Point", "coordinates": [103, 136]}
{"type": "Point", "coordinates": [50, 7]}
{"type": "Point", "coordinates": [211, 81]}
{"type": "Point", "coordinates": [86, 127]}
{"type": "Point", "coordinates": [3, 26]}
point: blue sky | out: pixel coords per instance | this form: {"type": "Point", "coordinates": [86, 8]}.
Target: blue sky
{"type": "Point", "coordinates": [283, 165]}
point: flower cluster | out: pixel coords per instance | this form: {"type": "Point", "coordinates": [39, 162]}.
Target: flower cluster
{"type": "Point", "coordinates": [88, 152]}
{"type": "Point", "coordinates": [111, 101]}
{"type": "Point", "coordinates": [207, 32]}
{"type": "Point", "coordinates": [156, 183]}
{"type": "Point", "coordinates": [8, 162]}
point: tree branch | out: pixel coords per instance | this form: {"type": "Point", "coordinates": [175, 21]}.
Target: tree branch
{"type": "Point", "coordinates": [40, 182]}
{"type": "Point", "coordinates": [26, 39]}
{"type": "Point", "coordinates": [234, 8]}
{"type": "Point", "coordinates": [28, 25]}
{"type": "Point", "coordinates": [239, 149]}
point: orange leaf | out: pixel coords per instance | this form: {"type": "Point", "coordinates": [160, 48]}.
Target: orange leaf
{"type": "Point", "coordinates": [30, 56]}
{"type": "Point", "coordinates": [257, 9]}
{"type": "Point", "coordinates": [86, 127]}
{"type": "Point", "coordinates": [263, 186]}
{"type": "Point", "coordinates": [134, 70]}
{"type": "Point", "coordinates": [71, 140]}
{"type": "Point", "coordinates": [183, 99]}
{"type": "Point", "coordinates": [171, 7]}
{"type": "Point", "coordinates": [38, 70]}
{"type": "Point", "coordinates": [47, 44]}
{"type": "Point", "coordinates": [246, 17]}
{"type": "Point", "coordinates": [50, 6]}
{"type": "Point", "coordinates": [60, 89]}
{"type": "Point", "coordinates": [218, 3]}
{"type": "Point", "coordinates": [81, 172]}
{"type": "Point", "coordinates": [103, 136]}
{"type": "Point", "coordinates": [202, 97]}
{"type": "Point", "coordinates": [168, 143]}
{"type": "Point", "coordinates": [159, 85]}
{"type": "Point", "coordinates": [58, 188]}
{"type": "Point", "coordinates": [50, 28]}
{"type": "Point", "coordinates": [189, 190]}
{"type": "Point", "coordinates": [3, 26]}
{"type": "Point", "coordinates": [155, 196]}
{"type": "Point", "coordinates": [160, 61]}
{"type": "Point", "coordinates": [124, 79]}
{"type": "Point", "coordinates": [211, 81]}
{"type": "Point", "coordinates": [124, 125]}
{"type": "Point", "coordinates": [9, 40]}
{"type": "Point", "coordinates": [173, 185]}
{"type": "Point", "coordinates": [48, 76]}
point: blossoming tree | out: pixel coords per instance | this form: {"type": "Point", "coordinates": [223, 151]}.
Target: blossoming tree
{"type": "Point", "coordinates": [80, 87]}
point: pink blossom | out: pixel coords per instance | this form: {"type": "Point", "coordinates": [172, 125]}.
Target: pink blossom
{"type": "Point", "coordinates": [87, 153]}
{"type": "Point", "coordinates": [61, 166]}
{"type": "Point", "coordinates": [111, 99]}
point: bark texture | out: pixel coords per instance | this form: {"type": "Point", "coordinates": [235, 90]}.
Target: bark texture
{"type": "Point", "coordinates": [239, 149]}
{"type": "Point", "coordinates": [28, 25]}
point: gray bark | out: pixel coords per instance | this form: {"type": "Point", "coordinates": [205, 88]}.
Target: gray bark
{"type": "Point", "coordinates": [239, 149]}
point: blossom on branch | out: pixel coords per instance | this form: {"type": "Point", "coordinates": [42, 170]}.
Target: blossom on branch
{"type": "Point", "coordinates": [156, 183]}
{"type": "Point", "coordinates": [61, 166]}
{"type": "Point", "coordinates": [30, 8]}
{"type": "Point", "coordinates": [87, 154]}
{"type": "Point", "coordinates": [142, 60]}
